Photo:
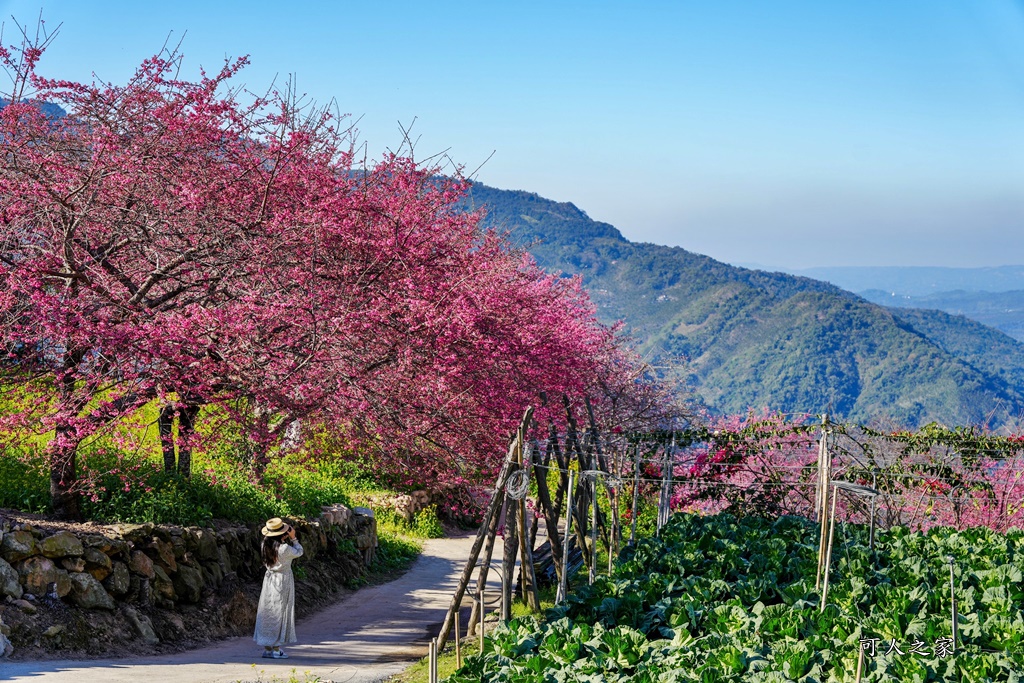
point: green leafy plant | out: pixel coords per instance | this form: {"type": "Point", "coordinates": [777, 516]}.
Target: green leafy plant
{"type": "Point", "coordinates": [733, 599]}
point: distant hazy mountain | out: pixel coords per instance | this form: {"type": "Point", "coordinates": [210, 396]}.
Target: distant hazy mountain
{"type": "Point", "coordinates": [48, 108]}
{"type": "Point", "coordinates": [919, 281]}
{"type": "Point", "coordinates": [751, 339]}
{"type": "Point", "coordinates": [1001, 310]}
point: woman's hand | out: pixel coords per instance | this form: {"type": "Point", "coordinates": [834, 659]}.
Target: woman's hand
{"type": "Point", "coordinates": [291, 534]}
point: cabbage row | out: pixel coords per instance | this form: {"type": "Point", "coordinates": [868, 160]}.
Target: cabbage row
{"type": "Point", "coordinates": [727, 599]}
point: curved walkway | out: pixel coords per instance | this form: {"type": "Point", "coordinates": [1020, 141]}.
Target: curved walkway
{"type": "Point", "coordinates": [372, 634]}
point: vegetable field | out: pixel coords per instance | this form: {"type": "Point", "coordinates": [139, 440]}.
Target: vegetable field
{"type": "Point", "coordinates": [727, 599]}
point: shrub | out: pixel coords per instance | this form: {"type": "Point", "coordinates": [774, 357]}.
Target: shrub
{"type": "Point", "coordinates": [23, 484]}
{"type": "Point", "coordinates": [394, 552]}
{"type": "Point", "coordinates": [426, 523]}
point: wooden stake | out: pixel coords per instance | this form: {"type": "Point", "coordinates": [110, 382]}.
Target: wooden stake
{"type": "Point", "coordinates": [572, 444]}
{"type": "Point", "coordinates": [821, 484]}
{"type": "Point", "coordinates": [860, 664]}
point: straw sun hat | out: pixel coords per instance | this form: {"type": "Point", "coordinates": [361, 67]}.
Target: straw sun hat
{"type": "Point", "coordinates": [275, 527]}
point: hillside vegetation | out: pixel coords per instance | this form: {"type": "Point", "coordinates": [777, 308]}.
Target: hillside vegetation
{"type": "Point", "coordinates": [749, 339]}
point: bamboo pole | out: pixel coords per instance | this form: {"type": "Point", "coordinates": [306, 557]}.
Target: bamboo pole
{"type": "Point", "coordinates": [483, 616]}
{"type": "Point", "coordinates": [612, 545]}
{"type": "Point", "coordinates": [508, 561]}
{"type": "Point", "coordinates": [477, 613]}
{"type": "Point", "coordinates": [871, 530]}
{"type": "Point", "coordinates": [820, 485]}
{"type": "Point", "coordinates": [563, 582]}
{"type": "Point", "coordinates": [636, 497]}
{"type": "Point", "coordinates": [954, 615]}
{"type": "Point", "coordinates": [860, 664]}
{"type": "Point", "coordinates": [530, 594]}
{"type": "Point", "coordinates": [671, 475]}
{"type": "Point", "coordinates": [828, 556]}
{"type": "Point", "coordinates": [826, 478]}
{"type": "Point", "coordinates": [550, 512]}
{"type": "Point", "coordinates": [474, 552]}
{"type": "Point", "coordinates": [593, 523]}
{"type": "Point", "coordinates": [577, 494]}
{"type": "Point", "coordinates": [536, 463]}
{"type": "Point", "coordinates": [458, 645]}
{"type": "Point", "coordinates": [661, 494]}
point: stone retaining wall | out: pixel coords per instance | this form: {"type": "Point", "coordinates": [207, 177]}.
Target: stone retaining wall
{"type": "Point", "coordinates": [137, 572]}
{"type": "Point", "coordinates": [405, 505]}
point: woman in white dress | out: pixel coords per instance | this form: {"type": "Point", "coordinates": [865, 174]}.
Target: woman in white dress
{"type": "Point", "coordinates": [275, 617]}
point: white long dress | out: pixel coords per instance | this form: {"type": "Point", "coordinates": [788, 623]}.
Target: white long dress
{"type": "Point", "coordinates": [275, 617]}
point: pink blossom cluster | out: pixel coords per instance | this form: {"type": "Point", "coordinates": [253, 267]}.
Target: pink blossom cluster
{"type": "Point", "coordinates": [768, 464]}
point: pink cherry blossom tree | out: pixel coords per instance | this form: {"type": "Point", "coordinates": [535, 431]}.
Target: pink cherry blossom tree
{"type": "Point", "coordinates": [131, 235]}
{"type": "Point", "coordinates": [181, 241]}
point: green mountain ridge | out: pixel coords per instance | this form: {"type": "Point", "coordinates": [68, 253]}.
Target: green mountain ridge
{"type": "Point", "coordinates": [749, 339]}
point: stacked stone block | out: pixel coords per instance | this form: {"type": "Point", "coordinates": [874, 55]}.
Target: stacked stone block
{"type": "Point", "coordinates": [133, 567]}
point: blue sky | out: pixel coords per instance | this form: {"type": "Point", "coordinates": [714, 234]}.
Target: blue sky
{"type": "Point", "coordinates": [790, 134]}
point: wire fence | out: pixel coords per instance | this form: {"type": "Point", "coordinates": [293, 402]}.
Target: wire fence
{"type": "Point", "coordinates": [777, 469]}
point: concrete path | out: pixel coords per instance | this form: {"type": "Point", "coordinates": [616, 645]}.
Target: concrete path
{"type": "Point", "coordinates": [372, 634]}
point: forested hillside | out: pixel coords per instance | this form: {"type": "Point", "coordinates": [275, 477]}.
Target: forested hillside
{"type": "Point", "coordinates": [750, 339]}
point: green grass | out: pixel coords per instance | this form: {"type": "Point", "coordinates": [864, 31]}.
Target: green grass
{"type": "Point", "coordinates": [292, 676]}
{"type": "Point", "coordinates": [446, 663]}
{"type": "Point", "coordinates": [134, 488]}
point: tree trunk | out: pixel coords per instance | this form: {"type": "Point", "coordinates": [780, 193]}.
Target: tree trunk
{"type": "Point", "coordinates": [186, 432]}
{"type": "Point", "coordinates": [63, 448]}
{"type": "Point", "coordinates": [165, 425]}
{"type": "Point", "coordinates": [63, 475]}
